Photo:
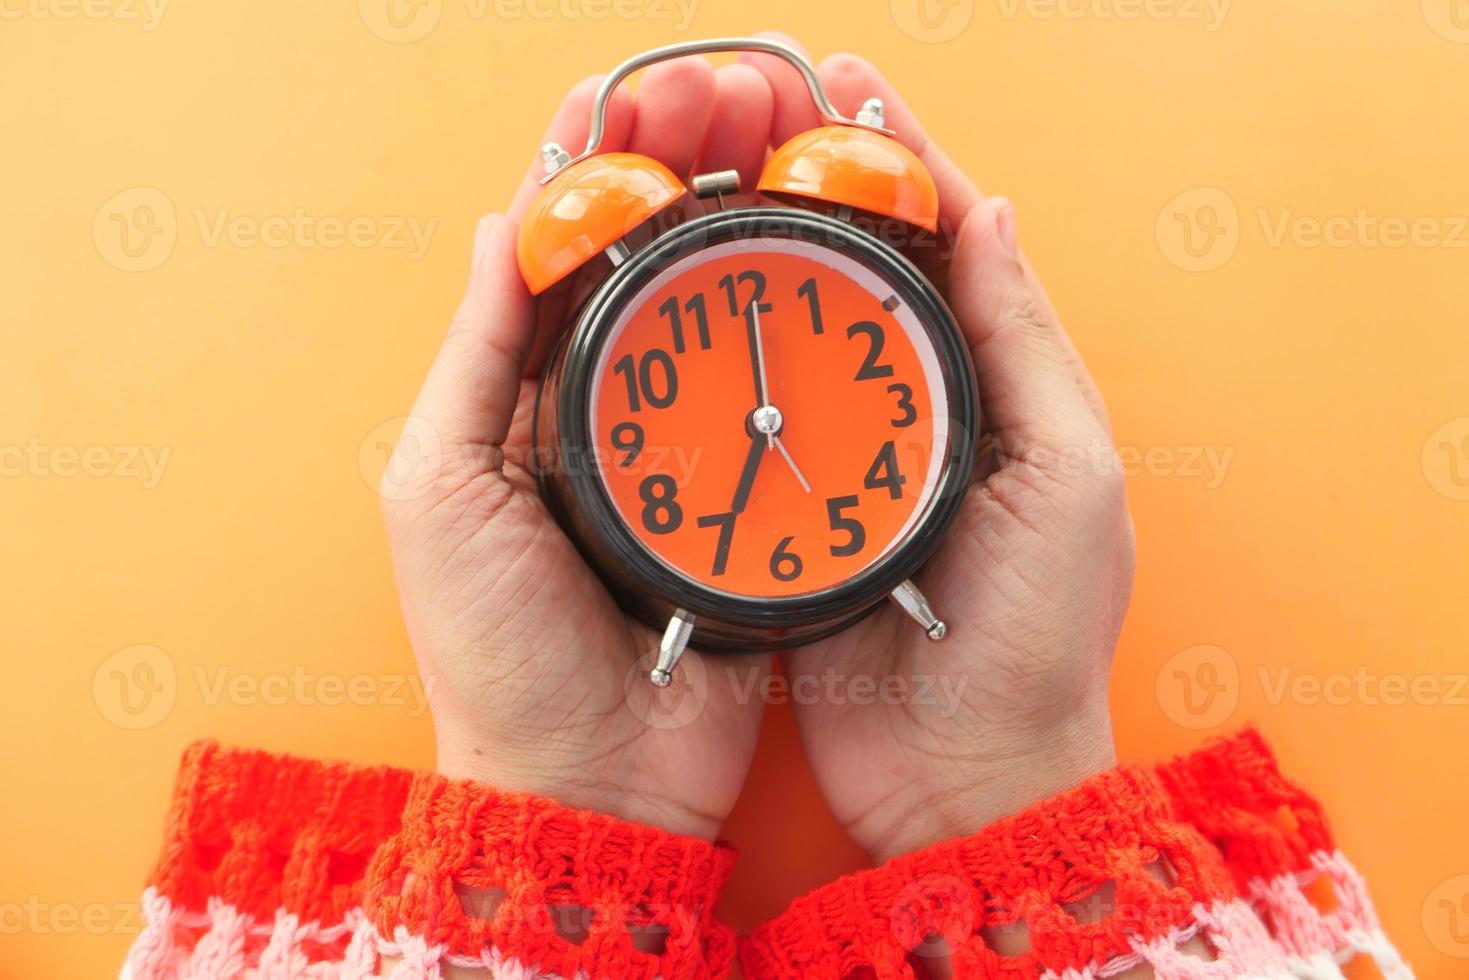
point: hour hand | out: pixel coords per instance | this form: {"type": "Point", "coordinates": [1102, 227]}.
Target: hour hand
{"type": "Point", "coordinates": [747, 475]}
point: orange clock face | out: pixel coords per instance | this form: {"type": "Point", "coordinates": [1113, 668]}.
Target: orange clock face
{"type": "Point", "coordinates": [770, 419]}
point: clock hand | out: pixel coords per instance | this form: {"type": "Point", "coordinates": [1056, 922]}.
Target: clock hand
{"type": "Point", "coordinates": [747, 476]}
{"type": "Point", "coordinates": [757, 361]}
{"type": "Point", "coordinates": [794, 468]}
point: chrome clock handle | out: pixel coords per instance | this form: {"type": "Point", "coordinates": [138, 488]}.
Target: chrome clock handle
{"type": "Point", "coordinates": [557, 160]}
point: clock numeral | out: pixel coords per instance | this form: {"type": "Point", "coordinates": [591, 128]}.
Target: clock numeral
{"type": "Point", "coordinates": [883, 473]}
{"type": "Point", "coordinates": [808, 290]}
{"type": "Point", "coordinates": [905, 405]}
{"type": "Point", "coordinates": [786, 565]}
{"type": "Point", "coordinates": [628, 436]}
{"type": "Point", "coordinates": [757, 291]}
{"type": "Point", "coordinates": [726, 525]}
{"type": "Point", "coordinates": [870, 368]}
{"type": "Point", "coordinates": [695, 305]}
{"type": "Point", "coordinates": [661, 512]}
{"type": "Point", "coordinates": [856, 533]}
{"type": "Point", "coordinates": [641, 380]}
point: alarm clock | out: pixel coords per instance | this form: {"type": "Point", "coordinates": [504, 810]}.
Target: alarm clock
{"type": "Point", "coordinates": [760, 417]}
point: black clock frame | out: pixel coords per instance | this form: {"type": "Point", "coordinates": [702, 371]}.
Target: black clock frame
{"type": "Point", "coordinates": [642, 582]}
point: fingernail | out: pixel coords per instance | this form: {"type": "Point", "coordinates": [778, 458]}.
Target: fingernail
{"type": "Point", "coordinates": [1005, 227]}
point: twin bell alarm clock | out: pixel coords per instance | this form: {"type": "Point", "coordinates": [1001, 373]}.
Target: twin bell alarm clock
{"type": "Point", "coordinates": [760, 418]}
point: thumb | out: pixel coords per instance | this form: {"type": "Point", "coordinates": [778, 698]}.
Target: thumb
{"type": "Point", "coordinates": [1022, 358]}
{"type": "Point", "coordinates": [469, 397]}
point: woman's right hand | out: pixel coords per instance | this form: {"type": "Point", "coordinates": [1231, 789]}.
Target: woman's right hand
{"type": "Point", "coordinates": [538, 682]}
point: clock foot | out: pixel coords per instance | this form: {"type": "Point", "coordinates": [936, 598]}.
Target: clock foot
{"type": "Point", "coordinates": [916, 606]}
{"type": "Point", "coordinates": [670, 649]}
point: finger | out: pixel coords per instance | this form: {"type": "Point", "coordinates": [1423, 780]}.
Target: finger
{"type": "Point", "coordinates": [569, 127]}
{"type": "Point", "coordinates": [849, 81]}
{"type": "Point", "coordinates": [470, 394]}
{"type": "Point", "coordinates": [739, 124]}
{"type": "Point", "coordinates": [794, 112]}
{"type": "Point", "coordinates": [672, 112]}
{"type": "Point", "coordinates": [1026, 385]}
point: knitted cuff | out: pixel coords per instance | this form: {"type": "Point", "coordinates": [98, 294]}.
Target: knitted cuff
{"type": "Point", "coordinates": [1279, 849]}
{"type": "Point", "coordinates": [275, 867]}
{"type": "Point", "coordinates": [1117, 828]}
{"type": "Point", "coordinates": [263, 832]}
{"type": "Point", "coordinates": [561, 890]}
{"type": "Point", "coordinates": [262, 866]}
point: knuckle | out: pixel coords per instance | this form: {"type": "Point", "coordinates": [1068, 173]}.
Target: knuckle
{"type": "Point", "coordinates": [1022, 312]}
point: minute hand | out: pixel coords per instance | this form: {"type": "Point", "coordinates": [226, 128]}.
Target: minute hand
{"type": "Point", "coordinates": [757, 360]}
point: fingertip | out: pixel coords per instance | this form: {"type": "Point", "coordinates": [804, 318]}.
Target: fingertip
{"type": "Point", "coordinates": [691, 70]}
{"type": "Point", "coordinates": [980, 233]}
{"type": "Point", "coordinates": [793, 110]}
{"type": "Point", "coordinates": [495, 278]}
{"type": "Point", "coordinates": [671, 111]}
{"type": "Point", "coordinates": [742, 80]}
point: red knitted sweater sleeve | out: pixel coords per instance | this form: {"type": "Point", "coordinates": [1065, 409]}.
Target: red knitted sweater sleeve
{"type": "Point", "coordinates": [275, 867]}
{"type": "Point", "coordinates": [1123, 871]}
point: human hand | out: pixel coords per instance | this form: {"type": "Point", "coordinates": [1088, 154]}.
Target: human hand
{"type": "Point", "coordinates": [533, 671]}
{"type": "Point", "coordinates": [1033, 577]}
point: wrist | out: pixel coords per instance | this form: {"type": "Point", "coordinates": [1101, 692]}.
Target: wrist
{"type": "Point", "coordinates": [1015, 771]}
{"type": "Point", "coordinates": [606, 793]}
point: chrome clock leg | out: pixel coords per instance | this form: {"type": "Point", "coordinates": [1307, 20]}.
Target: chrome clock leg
{"type": "Point", "coordinates": [675, 641]}
{"type": "Point", "coordinates": [916, 606]}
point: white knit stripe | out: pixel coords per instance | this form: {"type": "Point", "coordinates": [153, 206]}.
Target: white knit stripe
{"type": "Point", "coordinates": [224, 944]}
{"type": "Point", "coordinates": [1348, 930]}
{"type": "Point", "coordinates": [1277, 932]}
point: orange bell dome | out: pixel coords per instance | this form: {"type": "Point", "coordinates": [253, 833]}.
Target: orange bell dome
{"type": "Point", "coordinates": [586, 208]}
{"type": "Point", "coordinates": [856, 167]}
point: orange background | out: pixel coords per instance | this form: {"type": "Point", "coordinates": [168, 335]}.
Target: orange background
{"type": "Point", "coordinates": [1334, 544]}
